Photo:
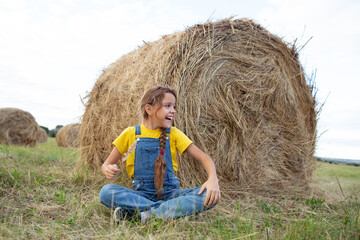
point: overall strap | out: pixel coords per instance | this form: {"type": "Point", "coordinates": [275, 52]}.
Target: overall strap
{"type": "Point", "coordinates": [137, 130]}
{"type": "Point", "coordinates": [168, 130]}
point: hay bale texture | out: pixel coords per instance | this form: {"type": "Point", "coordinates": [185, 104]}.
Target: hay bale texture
{"type": "Point", "coordinates": [242, 98]}
{"type": "Point", "coordinates": [17, 127]}
{"type": "Point", "coordinates": [41, 135]}
{"type": "Point", "coordinates": [67, 136]}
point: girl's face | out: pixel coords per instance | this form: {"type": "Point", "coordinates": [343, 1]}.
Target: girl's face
{"type": "Point", "coordinates": [162, 115]}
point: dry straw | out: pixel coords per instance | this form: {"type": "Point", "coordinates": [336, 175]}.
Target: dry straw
{"type": "Point", "coordinates": [242, 98]}
{"type": "Point", "coordinates": [17, 127]}
{"type": "Point", "coordinates": [41, 135]}
{"type": "Point", "coordinates": [68, 136]}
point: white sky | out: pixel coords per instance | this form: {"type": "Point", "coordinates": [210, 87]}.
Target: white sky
{"type": "Point", "coordinates": [52, 52]}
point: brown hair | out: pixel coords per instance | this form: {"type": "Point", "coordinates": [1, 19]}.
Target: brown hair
{"type": "Point", "coordinates": [152, 97]}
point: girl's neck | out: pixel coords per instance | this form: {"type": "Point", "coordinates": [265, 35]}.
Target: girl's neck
{"type": "Point", "coordinates": [149, 125]}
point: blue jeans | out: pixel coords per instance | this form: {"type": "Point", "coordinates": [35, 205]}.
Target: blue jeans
{"type": "Point", "coordinates": [175, 202]}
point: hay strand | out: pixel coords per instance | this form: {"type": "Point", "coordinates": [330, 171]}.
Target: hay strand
{"type": "Point", "coordinates": [130, 151]}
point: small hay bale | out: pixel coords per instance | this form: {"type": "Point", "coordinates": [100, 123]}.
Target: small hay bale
{"type": "Point", "coordinates": [41, 135]}
{"type": "Point", "coordinates": [68, 136]}
{"type": "Point", "coordinates": [242, 98]}
{"type": "Point", "coordinates": [17, 127]}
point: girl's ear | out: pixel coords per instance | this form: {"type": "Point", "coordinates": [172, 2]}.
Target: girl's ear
{"type": "Point", "coordinates": [149, 109]}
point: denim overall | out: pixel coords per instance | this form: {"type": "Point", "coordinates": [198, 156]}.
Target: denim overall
{"type": "Point", "coordinates": [174, 202]}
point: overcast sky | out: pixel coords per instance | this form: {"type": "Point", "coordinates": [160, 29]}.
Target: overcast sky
{"type": "Point", "coordinates": [52, 52]}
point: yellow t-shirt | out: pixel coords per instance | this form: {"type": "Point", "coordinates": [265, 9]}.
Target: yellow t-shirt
{"type": "Point", "coordinates": [178, 141]}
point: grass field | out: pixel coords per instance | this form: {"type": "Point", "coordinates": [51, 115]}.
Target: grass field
{"type": "Point", "coordinates": [42, 198]}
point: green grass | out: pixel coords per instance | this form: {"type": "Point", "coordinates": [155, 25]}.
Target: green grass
{"type": "Point", "coordinates": [42, 198]}
{"type": "Point", "coordinates": [339, 180]}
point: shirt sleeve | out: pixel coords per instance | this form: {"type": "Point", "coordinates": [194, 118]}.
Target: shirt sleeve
{"type": "Point", "coordinates": [182, 141]}
{"type": "Point", "coordinates": [122, 142]}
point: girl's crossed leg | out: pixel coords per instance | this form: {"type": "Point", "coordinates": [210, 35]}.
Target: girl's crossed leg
{"type": "Point", "coordinates": [176, 202]}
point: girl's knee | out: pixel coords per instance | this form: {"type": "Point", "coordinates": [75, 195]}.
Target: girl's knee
{"type": "Point", "coordinates": [106, 191]}
{"type": "Point", "coordinates": [202, 196]}
{"type": "Point", "coordinates": [103, 192]}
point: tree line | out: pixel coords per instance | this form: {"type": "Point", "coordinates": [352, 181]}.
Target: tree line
{"type": "Point", "coordinates": [52, 132]}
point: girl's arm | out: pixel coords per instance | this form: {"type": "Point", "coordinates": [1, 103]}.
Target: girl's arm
{"type": "Point", "coordinates": [211, 185]}
{"type": "Point", "coordinates": [109, 167]}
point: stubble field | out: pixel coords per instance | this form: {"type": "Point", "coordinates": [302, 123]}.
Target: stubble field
{"type": "Point", "coordinates": [41, 197]}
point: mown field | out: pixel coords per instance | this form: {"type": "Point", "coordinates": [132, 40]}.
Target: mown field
{"type": "Point", "coordinates": [41, 197]}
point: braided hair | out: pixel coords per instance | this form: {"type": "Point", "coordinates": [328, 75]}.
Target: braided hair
{"type": "Point", "coordinates": [160, 165]}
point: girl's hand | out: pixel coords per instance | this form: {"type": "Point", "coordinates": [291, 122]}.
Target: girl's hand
{"type": "Point", "coordinates": [110, 171]}
{"type": "Point", "coordinates": [211, 185]}
{"type": "Point", "coordinates": [212, 192]}
{"type": "Point", "coordinates": [109, 167]}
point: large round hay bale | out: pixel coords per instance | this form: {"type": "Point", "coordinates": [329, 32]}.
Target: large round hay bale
{"type": "Point", "coordinates": [242, 98]}
{"type": "Point", "coordinates": [67, 136]}
{"type": "Point", "coordinates": [41, 135]}
{"type": "Point", "coordinates": [17, 127]}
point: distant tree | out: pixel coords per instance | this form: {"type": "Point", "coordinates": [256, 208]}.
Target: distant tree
{"type": "Point", "coordinates": [46, 129]}
{"type": "Point", "coordinates": [53, 132]}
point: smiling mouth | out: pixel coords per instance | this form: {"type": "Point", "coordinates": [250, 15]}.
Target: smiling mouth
{"type": "Point", "coordinates": [169, 118]}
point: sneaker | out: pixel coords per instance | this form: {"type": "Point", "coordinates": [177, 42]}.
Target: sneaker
{"type": "Point", "coordinates": [143, 218]}
{"type": "Point", "coordinates": [123, 214]}
{"type": "Point", "coordinates": [118, 215]}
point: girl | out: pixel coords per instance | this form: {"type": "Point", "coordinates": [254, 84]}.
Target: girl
{"type": "Point", "coordinates": [153, 166]}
